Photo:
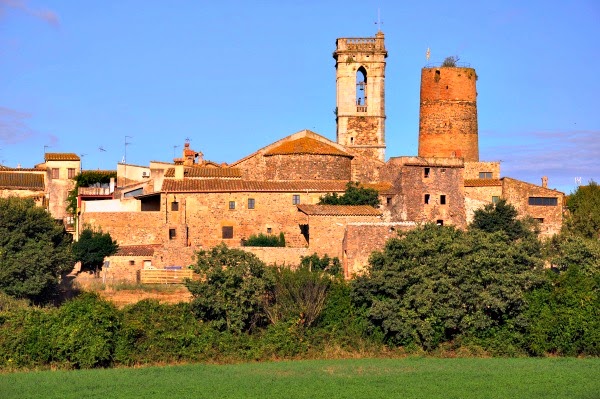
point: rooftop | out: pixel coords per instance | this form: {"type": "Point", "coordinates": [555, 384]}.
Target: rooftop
{"type": "Point", "coordinates": [61, 156]}
{"type": "Point", "coordinates": [339, 210]}
{"type": "Point", "coordinates": [21, 181]}
{"type": "Point", "coordinates": [306, 145]}
{"type": "Point", "coordinates": [221, 185]}
{"type": "Point", "coordinates": [204, 172]}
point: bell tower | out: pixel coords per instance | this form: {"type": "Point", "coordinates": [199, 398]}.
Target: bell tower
{"type": "Point", "coordinates": [360, 111]}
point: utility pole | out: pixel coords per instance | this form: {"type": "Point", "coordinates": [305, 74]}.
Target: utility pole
{"type": "Point", "coordinates": [125, 158]}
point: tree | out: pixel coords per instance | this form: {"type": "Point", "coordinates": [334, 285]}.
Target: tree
{"type": "Point", "coordinates": [91, 249]}
{"type": "Point", "coordinates": [231, 290]}
{"type": "Point", "coordinates": [436, 283]}
{"type": "Point", "coordinates": [584, 211]}
{"type": "Point", "coordinates": [34, 250]}
{"type": "Point", "coordinates": [502, 217]}
{"type": "Point", "coordinates": [354, 195]}
{"type": "Point", "coordinates": [450, 61]}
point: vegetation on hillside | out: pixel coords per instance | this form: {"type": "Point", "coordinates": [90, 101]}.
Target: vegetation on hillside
{"type": "Point", "coordinates": [583, 218]}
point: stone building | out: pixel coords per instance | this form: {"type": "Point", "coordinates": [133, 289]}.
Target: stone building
{"type": "Point", "coordinates": [162, 213]}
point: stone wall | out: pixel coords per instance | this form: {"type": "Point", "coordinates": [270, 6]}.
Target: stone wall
{"type": "Point", "coordinates": [129, 228]}
{"type": "Point", "coordinates": [279, 256]}
{"type": "Point", "coordinates": [361, 239]}
{"type": "Point", "coordinates": [472, 169]}
{"type": "Point", "coordinates": [307, 167]}
{"type": "Point", "coordinates": [517, 193]}
{"type": "Point", "coordinates": [478, 197]}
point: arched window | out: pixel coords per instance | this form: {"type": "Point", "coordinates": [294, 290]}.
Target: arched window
{"type": "Point", "coordinates": [361, 87]}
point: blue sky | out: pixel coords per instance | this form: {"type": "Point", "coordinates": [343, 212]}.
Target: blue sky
{"type": "Point", "coordinates": [234, 76]}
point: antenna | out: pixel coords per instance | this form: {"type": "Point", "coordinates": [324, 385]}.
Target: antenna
{"type": "Point", "coordinates": [81, 163]}
{"type": "Point", "coordinates": [379, 21]}
{"type": "Point", "coordinates": [125, 158]}
{"type": "Point", "coordinates": [101, 148]}
{"type": "Point", "coordinates": [174, 148]}
{"type": "Point", "coordinates": [578, 181]}
{"type": "Point", "coordinates": [45, 148]}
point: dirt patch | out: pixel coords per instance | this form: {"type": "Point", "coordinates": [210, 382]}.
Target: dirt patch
{"type": "Point", "coordinates": [125, 297]}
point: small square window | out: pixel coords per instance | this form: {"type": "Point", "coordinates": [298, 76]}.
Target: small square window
{"type": "Point", "coordinates": [495, 199]}
{"type": "Point", "coordinates": [485, 175]}
{"type": "Point", "coordinates": [175, 206]}
{"type": "Point", "coordinates": [172, 234]}
{"type": "Point", "coordinates": [296, 199]}
{"type": "Point", "coordinates": [227, 232]}
{"type": "Point", "coordinates": [539, 220]}
{"type": "Point", "coordinates": [442, 200]}
{"type": "Point", "coordinates": [269, 230]}
{"type": "Point", "coordinates": [231, 204]}
{"type": "Point", "coordinates": [439, 222]}
{"type": "Point", "coordinates": [443, 170]}
{"type": "Point", "coordinates": [131, 263]}
{"type": "Point", "coordinates": [427, 197]}
{"type": "Point", "coordinates": [250, 203]}
{"type": "Point", "coordinates": [388, 200]}
{"type": "Point", "coordinates": [71, 172]}
{"type": "Point", "coordinates": [426, 172]}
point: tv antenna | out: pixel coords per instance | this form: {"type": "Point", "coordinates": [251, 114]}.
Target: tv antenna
{"type": "Point", "coordinates": [101, 148]}
{"type": "Point", "coordinates": [81, 163]}
{"type": "Point", "coordinates": [379, 21]}
{"type": "Point", "coordinates": [578, 181]}
{"type": "Point", "coordinates": [174, 148]}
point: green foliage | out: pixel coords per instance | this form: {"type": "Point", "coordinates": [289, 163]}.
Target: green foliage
{"type": "Point", "coordinates": [354, 195]}
{"type": "Point", "coordinates": [450, 61]}
{"type": "Point", "coordinates": [436, 283]}
{"type": "Point", "coordinates": [326, 264]}
{"type": "Point", "coordinates": [566, 250]}
{"type": "Point", "coordinates": [297, 295]}
{"type": "Point", "coordinates": [34, 250]}
{"type": "Point", "coordinates": [584, 211]}
{"type": "Point", "coordinates": [231, 289]}
{"type": "Point", "coordinates": [152, 332]}
{"type": "Point", "coordinates": [87, 179]}
{"type": "Point", "coordinates": [85, 332]}
{"type": "Point", "coordinates": [564, 314]}
{"type": "Point", "coordinates": [92, 247]}
{"type": "Point", "coordinates": [264, 240]}
{"type": "Point", "coordinates": [502, 217]}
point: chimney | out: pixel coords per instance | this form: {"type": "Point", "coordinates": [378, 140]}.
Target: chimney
{"type": "Point", "coordinates": [545, 181]}
{"type": "Point", "coordinates": [179, 171]}
{"type": "Point", "coordinates": [111, 185]}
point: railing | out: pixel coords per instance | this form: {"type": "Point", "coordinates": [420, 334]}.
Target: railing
{"type": "Point", "coordinates": [93, 191]}
{"type": "Point", "coordinates": [164, 276]}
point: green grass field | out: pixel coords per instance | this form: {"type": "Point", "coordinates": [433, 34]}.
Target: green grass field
{"type": "Point", "coordinates": [365, 378]}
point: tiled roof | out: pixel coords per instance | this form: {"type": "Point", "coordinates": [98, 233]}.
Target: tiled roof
{"type": "Point", "coordinates": [482, 182]}
{"type": "Point", "coordinates": [203, 172]}
{"type": "Point", "coordinates": [221, 185]}
{"type": "Point", "coordinates": [61, 156]}
{"type": "Point", "coordinates": [136, 250]}
{"type": "Point", "coordinates": [339, 210]}
{"type": "Point", "coordinates": [306, 145]}
{"type": "Point", "coordinates": [382, 187]}
{"type": "Point", "coordinates": [21, 181]}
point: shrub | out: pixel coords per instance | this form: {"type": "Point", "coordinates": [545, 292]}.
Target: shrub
{"type": "Point", "coordinates": [451, 61]}
{"type": "Point", "coordinates": [264, 240]}
{"type": "Point", "coordinates": [326, 264]}
{"type": "Point", "coordinates": [355, 194]}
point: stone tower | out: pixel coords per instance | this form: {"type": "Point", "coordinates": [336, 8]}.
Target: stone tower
{"type": "Point", "coordinates": [360, 112]}
{"type": "Point", "coordinates": [448, 113]}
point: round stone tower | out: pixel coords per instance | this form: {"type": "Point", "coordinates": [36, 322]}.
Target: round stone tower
{"type": "Point", "coordinates": [448, 113]}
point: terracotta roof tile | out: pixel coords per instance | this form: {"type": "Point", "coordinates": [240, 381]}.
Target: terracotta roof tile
{"type": "Point", "coordinates": [61, 156]}
{"type": "Point", "coordinates": [482, 182]}
{"type": "Point", "coordinates": [306, 145]}
{"type": "Point", "coordinates": [339, 210]}
{"type": "Point", "coordinates": [382, 187]}
{"type": "Point", "coordinates": [204, 172]}
{"type": "Point", "coordinates": [22, 181]}
{"type": "Point", "coordinates": [222, 185]}
{"type": "Point", "coordinates": [136, 250]}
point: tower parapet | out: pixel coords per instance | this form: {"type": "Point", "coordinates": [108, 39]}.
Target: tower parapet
{"type": "Point", "coordinates": [360, 112]}
{"type": "Point", "coordinates": [448, 113]}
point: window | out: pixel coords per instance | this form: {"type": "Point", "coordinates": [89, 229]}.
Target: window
{"type": "Point", "coordinates": [174, 206]}
{"type": "Point", "coordinates": [543, 201]}
{"type": "Point", "coordinates": [296, 199]}
{"type": "Point", "coordinates": [388, 200]}
{"type": "Point", "coordinates": [55, 173]}
{"type": "Point", "coordinates": [443, 170]}
{"type": "Point", "coordinates": [227, 232]}
{"type": "Point", "coordinates": [131, 263]}
{"type": "Point", "coordinates": [250, 203]}
{"type": "Point", "coordinates": [427, 196]}
{"type": "Point", "coordinates": [71, 172]}
{"type": "Point", "coordinates": [495, 199]}
{"type": "Point", "coordinates": [172, 234]}
{"type": "Point", "coordinates": [439, 222]}
{"type": "Point", "coordinates": [269, 230]}
{"type": "Point", "coordinates": [442, 200]}
{"type": "Point", "coordinates": [426, 172]}
{"type": "Point", "coordinates": [485, 175]}
{"type": "Point", "coordinates": [231, 204]}
{"type": "Point", "coordinates": [539, 220]}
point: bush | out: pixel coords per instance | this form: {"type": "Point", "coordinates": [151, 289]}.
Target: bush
{"type": "Point", "coordinates": [231, 290]}
{"type": "Point", "coordinates": [451, 61]}
{"type": "Point", "coordinates": [264, 240]}
{"type": "Point", "coordinates": [326, 264]}
{"type": "Point", "coordinates": [354, 195]}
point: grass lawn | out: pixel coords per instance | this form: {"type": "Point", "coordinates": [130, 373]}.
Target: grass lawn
{"type": "Point", "coordinates": [365, 378]}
